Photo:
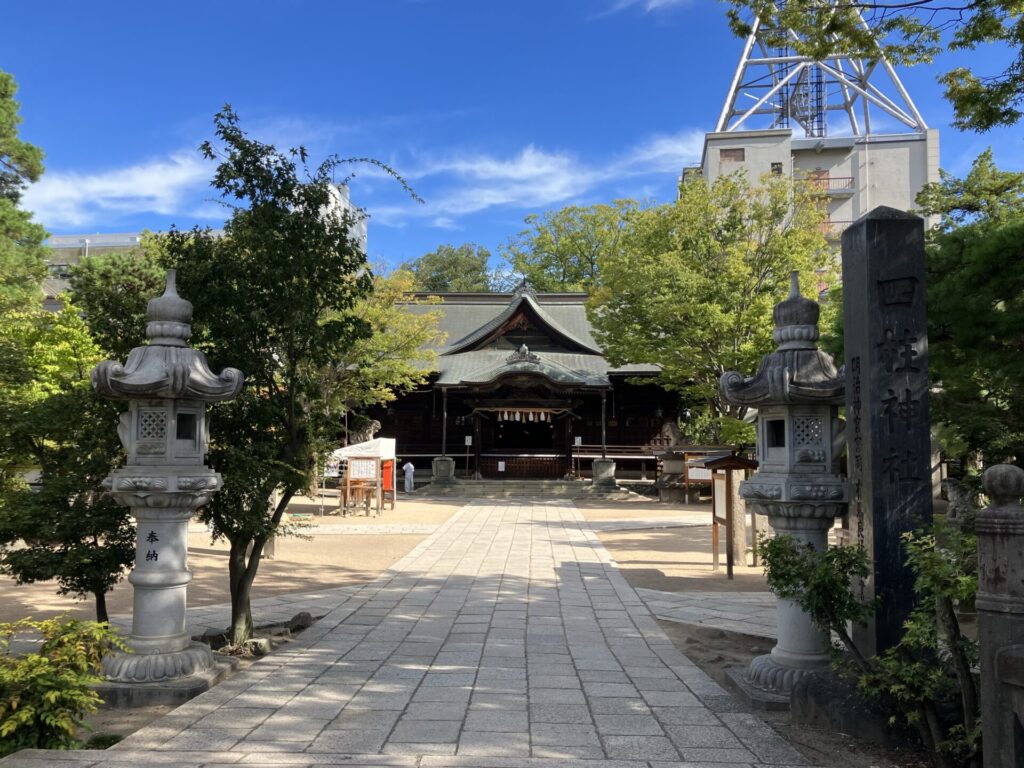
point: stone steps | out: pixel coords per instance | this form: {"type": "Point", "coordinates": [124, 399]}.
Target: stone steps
{"type": "Point", "coordinates": [509, 489]}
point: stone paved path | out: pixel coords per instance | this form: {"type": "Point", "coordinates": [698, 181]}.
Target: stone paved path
{"type": "Point", "coordinates": [508, 639]}
{"type": "Point", "coordinates": [749, 613]}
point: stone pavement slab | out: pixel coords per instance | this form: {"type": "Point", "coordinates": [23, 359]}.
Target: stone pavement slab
{"type": "Point", "coordinates": [749, 613]}
{"type": "Point", "coordinates": [507, 639]}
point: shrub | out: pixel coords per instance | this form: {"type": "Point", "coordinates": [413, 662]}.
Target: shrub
{"type": "Point", "coordinates": [927, 681]}
{"type": "Point", "coordinates": [45, 695]}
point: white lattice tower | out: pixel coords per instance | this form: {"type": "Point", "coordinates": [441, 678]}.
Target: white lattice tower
{"type": "Point", "coordinates": [778, 88]}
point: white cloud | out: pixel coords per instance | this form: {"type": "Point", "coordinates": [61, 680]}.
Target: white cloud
{"type": "Point", "coordinates": [455, 184]}
{"type": "Point", "coordinates": [163, 186]}
{"type": "Point", "coordinates": [465, 183]}
{"type": "Point", "coordinates": [647, 6]}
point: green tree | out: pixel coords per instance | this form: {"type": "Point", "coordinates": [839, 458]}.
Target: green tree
{"type": "Point", "coordinates": [452, 268]}
{"type": "Point", "coordinates": [976, 332]}
{"type": "Point", "coordinates": [692, 285]}
{"type": "Point", "coordinates": [273, 297]}
{"type": "Point", "coordinates": [66, 529]}
{"type": "Point", "coordinates": [562, 250]}
{"type": "Point", "coordinates": [50, 422]}
{"type": "Point", "coordinates": [398, 354]}
{"type": "Point", "coordinates": [986, 194]}
{"type": "Point", "coordinates": [22, 254]}
{"type": "Point", "coordinates": [976, 309]}
{"type": "Point", "coordinates": [112, 290]}
{"type": "Point", "coordinates": [908, 33]}
{"type": "Point", "coordinates": [22, 263]}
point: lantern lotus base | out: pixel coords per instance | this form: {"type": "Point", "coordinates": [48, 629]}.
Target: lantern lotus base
{"type": "Point", "coordinates": [158, 667]}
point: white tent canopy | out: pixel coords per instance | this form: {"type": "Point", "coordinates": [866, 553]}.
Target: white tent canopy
{"type": "Point", "coordinates": [379, 447]}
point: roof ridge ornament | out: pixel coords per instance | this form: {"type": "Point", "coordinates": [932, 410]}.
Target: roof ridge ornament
{"type": "Point", "coordinates": [523, 355]}
{"type": "Point", "coordinates": [524, 289]}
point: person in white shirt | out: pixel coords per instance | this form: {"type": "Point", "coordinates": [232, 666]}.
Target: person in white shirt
{"type": "Point", "coordinates": [409, 470]}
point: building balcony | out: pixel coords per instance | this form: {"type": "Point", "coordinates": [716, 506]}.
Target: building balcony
{"type": "Point", "coordinates": [833, 186]}
{"type": "Point", "coordinates": [833, 229]}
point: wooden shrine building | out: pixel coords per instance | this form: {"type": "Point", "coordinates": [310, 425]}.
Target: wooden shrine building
{"type": "Point", "coordinates": [522, 390]}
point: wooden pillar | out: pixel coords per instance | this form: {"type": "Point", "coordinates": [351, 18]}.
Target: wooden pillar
{"type": "Point", "coordinates": [738, 542]}
{"type": "Point", "coordinates": [444, 421]}
{"type": "Point", "coordinates": [567, 435]}
{"type": "Point", "coordinates": [477, 430]}
{"type": "Point", "coordinates": [604, 424]}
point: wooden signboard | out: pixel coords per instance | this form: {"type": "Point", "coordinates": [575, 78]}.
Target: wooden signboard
{"type": "Point", "coordinates": [362, 469]}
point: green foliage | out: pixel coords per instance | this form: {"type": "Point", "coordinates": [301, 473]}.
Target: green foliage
{"type": "Point", "coordinates": [45, 695]}
{"type": "Point", "coordinates": [275, 297]}
{"type": "Point", "coordinates": [562, 250]}
{"type": "Point", "coordinates": [831, 323]}
{"type": "Point", "coordinates": [819, 582]}
{"type": "Point", "coordinates": [397, 356]}
{"type": "Point", "coordinates": [976, 309]}
{"type": "Point", "coordinates": [691, 285]}
{"type": "Point", "coordinates": [20, 162]}
{"type": "Point", "coordinates": [66, 529]}
{"type": "Point", "coordinates": [736, 431]}
{"type": "Point", "coordinates": [929, 673]}
{"type": "Point", "coordinates": [112, 291]}
{"type": "Point", "coordinates": [976, 332]}
{"type": "Point", "coordinates": [985, 195]}
{"type": "Point", "coordinates": [22, 255]}
{"type": "Point", "coordinates": [50, 422]}
{"type": "Point", "coordinates": [909, 33]}
{"type": "Point", "coordinates": [452, 268]}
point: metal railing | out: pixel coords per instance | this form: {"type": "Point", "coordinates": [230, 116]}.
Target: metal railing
{"type": "Point", "coordinates": [832, 184]}
{"type": "Point", "coordinates": [833, 229]}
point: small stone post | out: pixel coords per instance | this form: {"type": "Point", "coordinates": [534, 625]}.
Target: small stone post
{"type": "Point", "coordinates": [166, 434]}
{"type": "Point", "coordinates": [797, 392]}
{"type": "Point", "coordinates": [1000, 606]}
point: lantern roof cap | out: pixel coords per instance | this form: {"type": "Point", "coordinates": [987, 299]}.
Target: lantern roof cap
{"type": "Point", "coordinates": [166, 367]}
{"type": "Point", "coordinates": [797, 371]}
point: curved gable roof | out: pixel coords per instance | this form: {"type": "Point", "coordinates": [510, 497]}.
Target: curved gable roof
{"type": "Point", "coordinates": [522, 299]}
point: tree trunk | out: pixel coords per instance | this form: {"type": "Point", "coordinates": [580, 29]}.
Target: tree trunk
{"type": "Point", "coordinates": [241, 612]}
{"type": "Point", "coordinates": [950, 627]}
{"type": "Point", "coordinates": [101, 607]}
{"type": "Point", "coordinates": [243, 563]}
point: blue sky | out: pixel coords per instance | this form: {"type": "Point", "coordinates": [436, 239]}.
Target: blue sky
{"type": "Point", "coordinates": [492, 110]}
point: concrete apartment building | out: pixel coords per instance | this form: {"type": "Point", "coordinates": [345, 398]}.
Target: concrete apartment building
{"type": "Point", "coordinates": [855, 173]}
{"type": "Point", "coordinates": [846, 124]}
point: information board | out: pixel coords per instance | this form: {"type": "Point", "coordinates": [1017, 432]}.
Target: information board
{"type": "Point", "coordinates": [362, 469]}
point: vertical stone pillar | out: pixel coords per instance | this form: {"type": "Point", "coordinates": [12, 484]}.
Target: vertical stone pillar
{"type": "Point", "coordinates": [165, 432]}
{"type": "Point", "coordinates": [1000, 606]}
{"type": "Point", "coordinates": [739, 518]}
{"type": "Point", "coordinates": [886, 346]}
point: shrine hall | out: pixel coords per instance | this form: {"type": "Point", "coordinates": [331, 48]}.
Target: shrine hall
{"type": "Point", "coordinates": [522, 390]}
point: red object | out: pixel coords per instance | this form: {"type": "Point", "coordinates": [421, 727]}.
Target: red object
{"type": "Point", "coordinates": [389, 475]}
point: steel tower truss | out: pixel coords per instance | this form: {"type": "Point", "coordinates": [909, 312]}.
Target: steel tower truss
{"type": "Point", "coordinates": [792, 90]}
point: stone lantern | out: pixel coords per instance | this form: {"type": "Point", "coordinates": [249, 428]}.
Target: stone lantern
{"type": "Point", "coordinates": [166, 433]}
{"type": "Point", "coordinates": [797, 392]}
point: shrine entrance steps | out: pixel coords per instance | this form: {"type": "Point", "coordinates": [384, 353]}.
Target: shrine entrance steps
{"type": "Point", "coordinates": [571, 490]}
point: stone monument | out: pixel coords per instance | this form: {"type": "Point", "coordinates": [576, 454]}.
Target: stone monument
{"type": "Point", "coordinates": [1000, 605]}
{"type": "Point", "coordinates": [166, 434]}
{"type": "Point", "coordinates": [796, 391]}
{"type": "Point", "coordinates": [886, 346]}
